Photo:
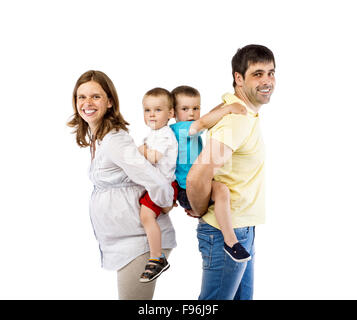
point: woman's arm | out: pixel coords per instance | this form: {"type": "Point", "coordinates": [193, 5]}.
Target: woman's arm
{"type": "Point", "coordinates": [121, 149]}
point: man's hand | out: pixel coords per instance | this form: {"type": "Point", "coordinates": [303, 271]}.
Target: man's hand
{"type": "Point", "coordinates": [192, 214]}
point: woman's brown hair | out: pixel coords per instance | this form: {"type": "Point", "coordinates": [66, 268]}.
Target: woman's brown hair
{"type": "Point", "coordinates": [111, 120]}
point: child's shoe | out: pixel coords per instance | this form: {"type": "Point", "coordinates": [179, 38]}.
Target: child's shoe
{"type": "Point", "coordinates": [155, 267]}
{"type": "Point", "coordinates": [237, 252]}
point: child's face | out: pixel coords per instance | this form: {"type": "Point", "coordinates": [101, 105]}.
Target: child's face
{"type": "Point", "coordinates": [157, 112]}
{"type": "Point", "coordinates": [187, 108]}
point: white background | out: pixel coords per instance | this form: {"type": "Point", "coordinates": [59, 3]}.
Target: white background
{"type": "Point", "coordinates": [307, 248]}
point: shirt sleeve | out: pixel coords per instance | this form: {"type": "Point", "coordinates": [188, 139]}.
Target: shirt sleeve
{"type": "Point", "coordinates": [122, 151]}
{"type": "Point", "coordinates": [232, 130]}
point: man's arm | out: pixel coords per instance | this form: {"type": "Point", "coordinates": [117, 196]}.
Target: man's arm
{"type": "Point", "coordinates": [210, 119]}
{"type": "Point", "coordinates": [151, 155]}
{"type": "Point", "coordinates": [199, 179]}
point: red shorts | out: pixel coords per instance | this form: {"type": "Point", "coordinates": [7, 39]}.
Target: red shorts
{"type": "Point", "coordinates": [147, 202]}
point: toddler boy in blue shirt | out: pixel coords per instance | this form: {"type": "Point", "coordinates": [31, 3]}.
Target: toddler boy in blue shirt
{"type": "Point", "coordinates": [187, 129]}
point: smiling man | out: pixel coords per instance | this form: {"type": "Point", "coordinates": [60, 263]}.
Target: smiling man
{"type": "Point", "coordinates": [233, 155]}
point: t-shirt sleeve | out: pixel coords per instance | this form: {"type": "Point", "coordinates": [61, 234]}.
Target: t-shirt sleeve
{"type": "Point", "coordinates": [181, 127]}
{"type": "Point", "coordinates": [232, 130]}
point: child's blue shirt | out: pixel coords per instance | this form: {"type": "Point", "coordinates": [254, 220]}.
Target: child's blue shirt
{"type": "Point", "coordinates": [189, 147]}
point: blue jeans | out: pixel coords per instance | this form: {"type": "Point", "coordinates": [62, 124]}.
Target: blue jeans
{"type": "Point", "coordinates": [223, 278]}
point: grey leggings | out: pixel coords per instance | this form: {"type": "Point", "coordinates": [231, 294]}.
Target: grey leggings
{"type": "Point", "coordinates": [129, 287]}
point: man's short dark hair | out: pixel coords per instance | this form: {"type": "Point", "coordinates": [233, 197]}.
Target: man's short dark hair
{"type": "Point", "coordinates": [252, 53]}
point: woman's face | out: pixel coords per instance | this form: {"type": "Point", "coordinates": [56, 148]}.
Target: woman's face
{"type": "Point", "coordinates": [92, 103]}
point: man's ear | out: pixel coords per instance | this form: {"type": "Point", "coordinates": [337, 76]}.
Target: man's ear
{"type": "Point", "coordinates": [238, 78]}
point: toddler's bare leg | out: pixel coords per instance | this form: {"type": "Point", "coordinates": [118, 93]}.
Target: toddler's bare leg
{"type": "Point", "coordinates": [222, 210]}
{"type": "Point", "coordinates": [152, 229]}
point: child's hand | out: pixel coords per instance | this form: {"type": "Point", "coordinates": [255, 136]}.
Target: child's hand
{"type": "Point", "coordinates": [237, 108]}
{"type": "Point", "coordinates": [192, 131]}
{"type": "Point", "coordinates": [168, 209]}
{"type": "Point", "coordinates": [142, 149]}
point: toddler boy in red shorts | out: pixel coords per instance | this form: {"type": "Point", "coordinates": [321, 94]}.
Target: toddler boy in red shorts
{"type": "Point", "coordinates": [160, 148]}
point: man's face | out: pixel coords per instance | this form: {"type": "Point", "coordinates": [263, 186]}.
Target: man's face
{"type": "Point", "coordinates": [259, 82]}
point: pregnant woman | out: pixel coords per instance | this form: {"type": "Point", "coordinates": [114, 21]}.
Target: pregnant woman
{"type": "Point", "coordinates": [120, 175]}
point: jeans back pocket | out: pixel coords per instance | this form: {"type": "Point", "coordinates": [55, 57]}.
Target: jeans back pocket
{"type": "Point", "coordinates": [205, 244]}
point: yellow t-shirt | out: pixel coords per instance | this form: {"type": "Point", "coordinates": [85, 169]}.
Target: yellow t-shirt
{"type": "Point", "coordinates": [244, 173]}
